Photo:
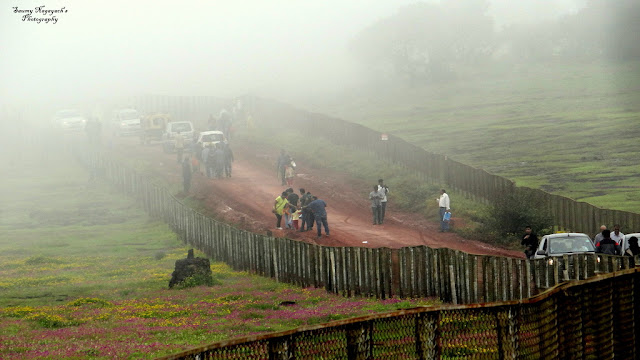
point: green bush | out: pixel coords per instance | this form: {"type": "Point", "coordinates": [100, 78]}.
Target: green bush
{"type": "Point", "coordinates": [510, 213]}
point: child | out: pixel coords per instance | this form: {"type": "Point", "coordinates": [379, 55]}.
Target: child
{"type": "Point", "coordinates": [288, 212]}
{"type": "Point", "coordinates": [296, 216]}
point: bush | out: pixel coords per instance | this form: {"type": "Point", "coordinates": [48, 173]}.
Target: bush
{"type": "Point", "coordinates": [512, 212]}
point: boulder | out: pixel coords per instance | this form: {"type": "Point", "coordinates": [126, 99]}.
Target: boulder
{"type": "Point", "coordinates": [192, 267]}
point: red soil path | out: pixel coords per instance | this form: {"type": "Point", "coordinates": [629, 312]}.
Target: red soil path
{"type": "Point", "coordinates": [247, 197]}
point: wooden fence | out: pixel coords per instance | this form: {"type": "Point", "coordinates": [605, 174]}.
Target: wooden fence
{"type": "Point", "coordinates": [450, 275]}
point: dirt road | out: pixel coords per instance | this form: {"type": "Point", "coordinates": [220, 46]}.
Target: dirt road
{"type": "Point", "coordinates": [246, 198]}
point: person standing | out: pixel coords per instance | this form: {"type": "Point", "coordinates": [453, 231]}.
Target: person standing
{"type": "Point", "coordinates": [219, 155]}
{"type": "Point", "coordinates": [530, 242]}
{"type": "Point", "coordinates": [282, 162]}
{"type": "Point", "coordinates": [376, 198]}
{"type": "Point", "coordinates": [209, 160]}
{"type": "Point", "coordinates": [599, 236]}
{"type": "Point", "coordinates": [318, 208]}
{"type": "Point", "coordinates": [384, 190]}
{"type": "Point", "coordinates": [444, 204]}
{"type": "Point", "coordinates": [179, 146]}
{"type": "Point", "coordinates": [186, 174]}
{"type": "Point", "coordinates": [607, 245]}
{"type": "Point", "coordinates": [278, 209]}
{"type": "Point", "coordinates": [616, 235]}
{"type": "Point", "coordinates": [228, 159]}
{"type": "Point", "coordinates": [307, 216]}
{"type": "Point", "coordinates": [292, 197]}
{"type": "Point", "coordinates": [290, 174]}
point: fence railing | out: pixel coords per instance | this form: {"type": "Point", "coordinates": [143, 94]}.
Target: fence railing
{"type": "Point", "coordinates": [450, 275]}
{"type": "Point", "coordinates": [589, 319]}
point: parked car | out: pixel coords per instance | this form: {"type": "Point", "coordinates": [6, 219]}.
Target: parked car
{"type": "Point", "coordinates": [625, 241]}
{"type": "Point", "coordinates": [125, 122]}
{"type": "Point", "coordinates": [69, 120]}
{"type": "Point", "coordinates": [555, 245]}
{"type": "Point", "coordinates": [205, 138]}
{"type": "Point", "coordinates": [184, 128]}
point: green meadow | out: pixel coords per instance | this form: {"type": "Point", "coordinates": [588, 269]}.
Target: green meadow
{"type": "Point", "coordinates": [569, 129]}
{"type": "Point", "coordinates": [84, 274]}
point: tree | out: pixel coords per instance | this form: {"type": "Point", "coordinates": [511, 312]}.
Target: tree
{"type": "Point", "coordinates": [423, 41]}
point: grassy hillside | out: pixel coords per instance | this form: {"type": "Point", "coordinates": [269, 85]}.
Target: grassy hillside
{"type": "Point", "coordinates": [568, 129]}
{"type": "Point", "coordinates": [84, 275]}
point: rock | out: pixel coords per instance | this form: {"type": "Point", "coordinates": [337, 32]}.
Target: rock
{"type": "Point", "coordinates": [196, 267]}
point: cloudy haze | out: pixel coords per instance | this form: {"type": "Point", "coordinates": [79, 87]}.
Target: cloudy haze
{"type": "Point", "coordinates": [197, 47]}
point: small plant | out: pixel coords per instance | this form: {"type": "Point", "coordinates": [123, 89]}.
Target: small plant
{"type": "Point", "coordinates": [159, 255]}
{"type": "Point", "coordinates": [93, 301]}
{"type": "Point", "coordinates": [197, 280]}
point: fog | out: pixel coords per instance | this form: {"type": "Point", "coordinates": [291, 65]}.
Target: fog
{"type": "Point", "coordinates": [275, 48]}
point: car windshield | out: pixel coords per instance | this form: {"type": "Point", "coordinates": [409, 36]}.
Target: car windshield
{"type": "Point", "coordinates": [68, 113]}
{"type": "Point", "coordinates": [211, 137]}
{"type": "Point", "coordinates": [564, 245]}
{"type": "Point", "coordinates": [180, 127]}
{"type": "Point", "coordinates": [129, 115]}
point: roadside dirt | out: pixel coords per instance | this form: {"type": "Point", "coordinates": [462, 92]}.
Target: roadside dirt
{"type": "Point", "coordinates": [246, 198]}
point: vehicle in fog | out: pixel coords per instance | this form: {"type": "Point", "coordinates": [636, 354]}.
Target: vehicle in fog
{"type": "Point", "coordinates": [70, 120]}
{"type": "Point", "coordinates": [625, 241]}
{"type": "Point", "coordinates": [556, 245]}
{"type": "Point", "coordinates": [184, 128]}
{"type": "Point", "coordinates": [126, 122]}
{"type": "Point", "coordinates": [209, 137]}
{"type": "Point", "coordinates": [152, 126]}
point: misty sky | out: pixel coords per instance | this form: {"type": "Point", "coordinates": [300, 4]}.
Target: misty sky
{"type": "Point", "coordinates": [193, 47]}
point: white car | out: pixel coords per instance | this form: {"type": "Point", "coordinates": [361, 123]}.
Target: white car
{"type": "Point", "coordinates": [555, 245]}
{"type": "Point", "coordinates": [126, 122]}
{"type": "Point", "coordinates": [625, 241]}
{"type": "Point", "coordinates": [209, 137]}
{"type": "Point", "coordinates": [184, 128]}
{"type": "Point", "coordinates": [70, 120]}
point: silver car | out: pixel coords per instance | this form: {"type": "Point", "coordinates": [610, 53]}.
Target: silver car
{"type": "Point", "coordinates": [555, 245]}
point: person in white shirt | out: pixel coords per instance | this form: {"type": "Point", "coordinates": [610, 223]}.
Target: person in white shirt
{"type": "Point", "coordinates": [443, 203]}
{"type": "Point", "coordinates": [616, 235]}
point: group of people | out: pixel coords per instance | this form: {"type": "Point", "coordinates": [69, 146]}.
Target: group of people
{"type": "Point", "coordinates": [216, 160]}
{"type": "Point", "coordinates": [286, 168]}
{"type": "Point", "coordinates": [606, 242]}
{"type": "Point", "coordinates": [610, 242]}
{"type": "Point", "coordinates": [300, 211]}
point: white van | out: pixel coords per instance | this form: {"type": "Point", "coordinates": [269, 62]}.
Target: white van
{"type": "Point", "coordinates": [126, 122]}
{"type": "Point", "coordinates": [184, 128]}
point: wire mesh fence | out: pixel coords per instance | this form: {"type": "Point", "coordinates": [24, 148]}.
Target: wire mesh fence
{"type": "Point", "coordinates": [585, 319]}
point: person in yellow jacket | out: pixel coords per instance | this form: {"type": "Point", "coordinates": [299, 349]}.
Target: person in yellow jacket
{"type": "Point", "coordinates": [278, 208]}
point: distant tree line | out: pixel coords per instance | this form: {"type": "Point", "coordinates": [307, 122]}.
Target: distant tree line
{"type": "Point", "coordinates": [428, 42]}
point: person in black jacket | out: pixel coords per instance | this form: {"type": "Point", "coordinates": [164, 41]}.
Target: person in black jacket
{"type": "Point", "coordinates": [607, 245]}
{"type": "Point", "coordinates": [530, 241]}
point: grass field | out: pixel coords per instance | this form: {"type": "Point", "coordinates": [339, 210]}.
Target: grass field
{"type": "Point", "coordinates": [84, 275]}
{"type": "Point", "coordinates": [568, 129]}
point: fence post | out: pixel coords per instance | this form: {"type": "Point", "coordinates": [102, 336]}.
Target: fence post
{"type": "Point", "coordinates": [427, 336]}
{"type": "Point", "coordinates": [452, 277]}
{"type": "Point", "coordinates": [280, 348]}
{"type": "Point", "coordinates": [359, 341]}
{"type": "Point", "coordinates": [507, 333]}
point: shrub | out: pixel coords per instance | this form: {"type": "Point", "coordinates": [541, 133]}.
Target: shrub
{"type": "Point", "coordinates": [512, 212]}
